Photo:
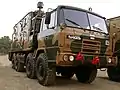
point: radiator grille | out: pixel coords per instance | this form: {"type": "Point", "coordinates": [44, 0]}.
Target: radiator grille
{"type": "Point", "coordinates": [90, 46]}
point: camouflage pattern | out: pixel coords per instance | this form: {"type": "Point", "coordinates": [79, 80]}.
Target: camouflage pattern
{"type": "Point", "coordinates": [62, 45]}
{"type": "Point", "coordinates": [56, 44]}
{"type": "Point", "coordinates": [114, 31]}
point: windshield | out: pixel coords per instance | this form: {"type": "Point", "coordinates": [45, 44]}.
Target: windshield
{"type": "Point", "coordinates": [81, 19]}
{"type": "Point", "coordinates": [75, 18]}
{"type": "Point", "coordinates": [97, 23]}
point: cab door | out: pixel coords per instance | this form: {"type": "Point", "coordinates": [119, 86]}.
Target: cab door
{"type": "Point", "coordinates": [47, 35]}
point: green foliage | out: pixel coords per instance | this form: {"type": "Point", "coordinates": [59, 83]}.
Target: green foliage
{"type": "Point", "coordinates": [5, 44]}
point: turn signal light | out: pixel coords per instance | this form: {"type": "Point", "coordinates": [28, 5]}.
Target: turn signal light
{"type": "Point", "coordinates": [95, 60]}
{"type": "Point", "coordinates": [80, 57]}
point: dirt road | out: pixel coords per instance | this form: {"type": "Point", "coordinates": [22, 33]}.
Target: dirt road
{"type": "Point", "coordinates": [12, 80]}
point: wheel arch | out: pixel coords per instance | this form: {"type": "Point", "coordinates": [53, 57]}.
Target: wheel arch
{"type": "Point", "coordinates": [40, 51]}
{"type": "Point", "coordinates": [10, 55]}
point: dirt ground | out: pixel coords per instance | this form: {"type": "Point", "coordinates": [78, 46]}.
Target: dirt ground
{"type": "Point", "coordinates": [12, 80]}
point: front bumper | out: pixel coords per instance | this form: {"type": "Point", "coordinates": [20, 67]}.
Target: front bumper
{"type": "Point", "coordinates": [104, 61]}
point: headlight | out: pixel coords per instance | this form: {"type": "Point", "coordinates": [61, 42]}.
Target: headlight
{"type": "Point", "coordinates": [109, 60]}
{"type": "Point", "coordinates": [65, 58]}
{"type": "Point", "coordinates": [106, 42]}
{"type": "Point", "coordinates": [71, 58]}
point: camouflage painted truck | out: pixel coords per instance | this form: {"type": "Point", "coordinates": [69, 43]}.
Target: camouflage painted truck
{"type": "Point", "coordinates": [67, 40]}
{"type": "Point", "coordinates": [114, 33]}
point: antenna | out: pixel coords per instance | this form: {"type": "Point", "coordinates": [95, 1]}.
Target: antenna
{"type": "Point", "coordinates": [90, 9]}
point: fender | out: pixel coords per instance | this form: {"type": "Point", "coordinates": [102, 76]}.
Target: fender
{"type": "Point", "coordinates": [42, 50]}
{"type": "Point", "coordinates": [38, 51]}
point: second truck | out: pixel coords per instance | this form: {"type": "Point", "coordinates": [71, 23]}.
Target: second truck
{"type": "Point", "coordinates": [114, 34]}
{"type": "Point", "coordinates": [67, 40]}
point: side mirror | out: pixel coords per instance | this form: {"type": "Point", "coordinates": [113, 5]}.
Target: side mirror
{"type": "Point", "coordinates": [47, 19]}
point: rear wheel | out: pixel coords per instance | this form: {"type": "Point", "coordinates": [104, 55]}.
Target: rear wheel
{"type": "Point", "coordinates": [19, 67]}
{"type": "Point", "coordinates": [114, 73]}
{"type": "Point", "coordinates": [45, 74]}
{"type": "Point", "coordinates": [86, 74]}
{"type": "Point", "coordinates": [30, 66]}
{"type": "Point", "coordinates": [13, 61]}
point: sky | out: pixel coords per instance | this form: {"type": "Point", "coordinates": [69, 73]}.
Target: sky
{"type": "Point", "coordinates": [11, 11]}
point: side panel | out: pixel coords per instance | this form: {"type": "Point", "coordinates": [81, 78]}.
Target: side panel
{"type": "Point", "coordinates": [48, 39]}
{"type": "Point", "coordinates": [115, 29]}
{"type": "Point", "coordinates": [26, 31]}
{"type": "Point", "coordinates": [22, 31]}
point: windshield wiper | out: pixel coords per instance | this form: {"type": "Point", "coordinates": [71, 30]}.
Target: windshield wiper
{"type": "Point", "coordinates": [84, 28]}
{"type": "Point", "coordinates": [74, 23]}
{"type": "Point", "coordinates": [97, 28]}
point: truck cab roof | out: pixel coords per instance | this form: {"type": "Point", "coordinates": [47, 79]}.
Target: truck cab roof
{"type": "Point", "coordinates": [76, 8]}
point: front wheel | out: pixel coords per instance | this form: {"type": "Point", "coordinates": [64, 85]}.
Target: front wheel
{"type": "Point", "coordinates": [86, 74]}
{"type": "Point", "coordinates": [114, 73]}
{"type": "Point", "coordinates": [45, 74]}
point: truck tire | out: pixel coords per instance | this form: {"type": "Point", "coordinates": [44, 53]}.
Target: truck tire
{"type": "Point", "coordinates": [19, 67]}
{"type": "Point", "coordinates": [45, 75]}
{"type": "Point", "coordinates": [114, 73]}
{"type": "Point", "coordinates": [13, 61]}
{"type": "Point", "coordinates": [67, 75]}
{"type": "Point", "coordinates": [30, 66]}
{"type": "Point", "coordinates": [86, 74]}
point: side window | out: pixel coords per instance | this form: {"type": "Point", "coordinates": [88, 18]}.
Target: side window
{"type": "Point", "coordinates": [53, 20]}
{"type": "Point", "coordinates": [43, 25]}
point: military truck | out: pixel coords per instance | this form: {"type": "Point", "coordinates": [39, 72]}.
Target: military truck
{"type": "Point", "coordinates": [66, 41]}
{"type": "Point", "coordinates": [114, 33]}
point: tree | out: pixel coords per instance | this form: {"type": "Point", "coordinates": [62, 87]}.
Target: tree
{"type": "Point", "coordinates": [5, 44]}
